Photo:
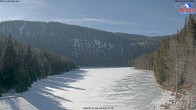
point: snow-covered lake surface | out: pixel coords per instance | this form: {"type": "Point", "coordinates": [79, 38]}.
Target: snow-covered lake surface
{"type": "Point", "coordinates": [106, 88]}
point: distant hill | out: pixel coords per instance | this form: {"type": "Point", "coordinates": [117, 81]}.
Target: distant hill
{"type": "Point", "coordinates": [86, 46]}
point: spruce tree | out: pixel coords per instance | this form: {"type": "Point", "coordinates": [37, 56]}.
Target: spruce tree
{"type": "Point", "coordinates": [9, 65]}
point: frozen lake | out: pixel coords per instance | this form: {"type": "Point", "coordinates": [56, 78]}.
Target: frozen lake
{"type": "Point", "coordinates": [103, 88]}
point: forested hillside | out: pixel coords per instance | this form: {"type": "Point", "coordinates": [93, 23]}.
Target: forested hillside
{"type": "Point", "coordinates": [86, 46]}
{"type": "Point", "coordinates": [21, 65]}
{"type": "Point", "coordinates": [175, 59]}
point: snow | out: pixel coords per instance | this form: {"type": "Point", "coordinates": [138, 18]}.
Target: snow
{"type": "Point", "coordinates": [95, 44]}
{"type": "Point", "coordinates": [117, 88]}
{"type": "Point", "coordinates": [133, 44]}
{"type": "Point", "coordinates": [76, 42]}
{"type": "Point", "coordinates": [15, 103]}
{"type": "Point", "coordinates": [22, 28]}
{"type": "Point", "coordinates": [110, 46]}
{"type": "Point", "coordinates": [165, 97]}
{"type": "Point", "coordinates": [98, 43]}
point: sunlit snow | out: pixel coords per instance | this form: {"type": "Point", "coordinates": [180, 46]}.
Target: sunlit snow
{"type": "Point", "coordinates": [112, 88]}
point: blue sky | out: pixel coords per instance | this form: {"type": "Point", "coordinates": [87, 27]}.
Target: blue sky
{"type": "Point", "coordinates": [145, 17]}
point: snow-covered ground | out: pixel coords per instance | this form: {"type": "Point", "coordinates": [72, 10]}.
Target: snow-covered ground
{"type": "Point", "coordinates": [102, 88]}
{"type": "Point", "coordinates": [15, 103]}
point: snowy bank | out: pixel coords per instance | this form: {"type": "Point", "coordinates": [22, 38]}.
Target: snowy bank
{"type": "Point", "coordinates": [15, 103]}
{"type": "Point", "coordinates": [166, 99]}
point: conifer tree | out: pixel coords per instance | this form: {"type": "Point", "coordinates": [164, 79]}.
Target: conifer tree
{"type": "Point", "coordinates": [9, 65]}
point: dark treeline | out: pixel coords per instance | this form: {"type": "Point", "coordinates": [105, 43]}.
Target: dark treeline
{"type": "Point", "coordinates": [21, 65]}
{"type": "Point", "coordinates": [176, 55]}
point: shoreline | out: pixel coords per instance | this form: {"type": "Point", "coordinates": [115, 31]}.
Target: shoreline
{"type": "Point", "coordinates": [168, 101]}
{"type": "Point", "coordinates": [165, 101]}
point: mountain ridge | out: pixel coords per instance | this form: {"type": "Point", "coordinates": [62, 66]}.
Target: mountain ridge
{"type": "Point", "coordinates": [86, 46]}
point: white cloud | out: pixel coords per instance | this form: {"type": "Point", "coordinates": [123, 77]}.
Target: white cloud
{"type": "Point", "coordinates": [85, 20]}
{"type": "Point", "coordinates": [95, 20]}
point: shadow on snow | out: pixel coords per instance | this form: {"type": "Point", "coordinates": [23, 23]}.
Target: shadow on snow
{"type": "Point", "coordinates": [42, 94]}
